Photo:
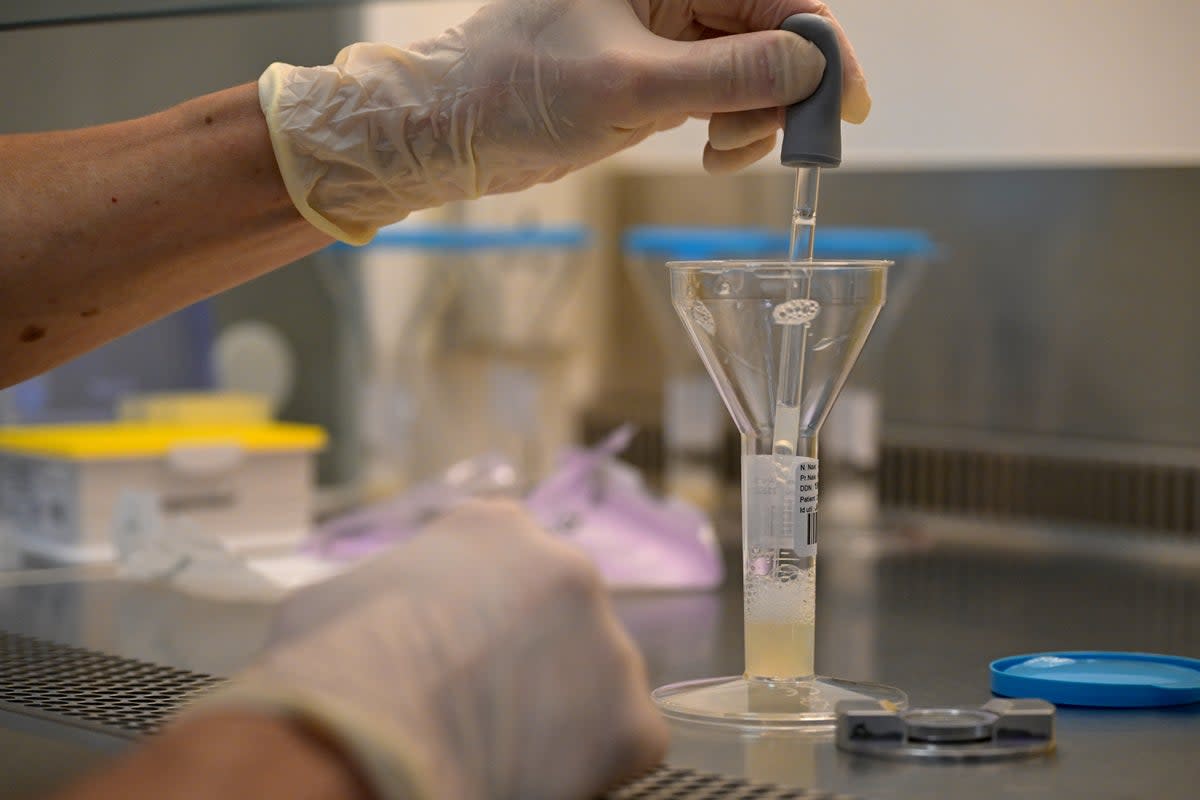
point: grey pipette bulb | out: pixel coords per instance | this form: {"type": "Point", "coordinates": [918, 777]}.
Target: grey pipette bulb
{"type": "Point", "coordinates": [812, 131]}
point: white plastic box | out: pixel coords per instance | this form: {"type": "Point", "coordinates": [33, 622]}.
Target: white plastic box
{"type": "Point", "coordinates": [250, 484]}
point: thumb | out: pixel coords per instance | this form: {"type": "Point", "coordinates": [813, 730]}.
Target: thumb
{"type": "Point", "coordinates": [735, 73]}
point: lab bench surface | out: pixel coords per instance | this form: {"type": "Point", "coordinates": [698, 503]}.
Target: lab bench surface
{"type": "Point", "coordinates": [925, 608]}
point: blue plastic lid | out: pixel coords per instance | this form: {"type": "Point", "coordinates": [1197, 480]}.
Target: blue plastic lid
{"type": "Point", "coordinates": [1099, 678]}
{"type": "Point", "coordinates": [449, 237]}
{"type": "Point", "coordinates": [702, 244]}
{"type": "Point", "coordinates": [889, 243]}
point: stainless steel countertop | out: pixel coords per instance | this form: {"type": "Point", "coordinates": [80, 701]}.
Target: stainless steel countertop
{"type": "Point", "coordinates": [925, 608]}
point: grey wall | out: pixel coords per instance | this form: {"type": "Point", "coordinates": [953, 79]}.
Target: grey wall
{"type": "Point", "coordinates": [1066, 305]}
{"type": "Point", "coordinates": [77, 75]}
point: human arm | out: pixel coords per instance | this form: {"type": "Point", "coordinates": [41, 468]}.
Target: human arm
{"type": "Point", "coordinates": [104, 229]}
{"type": "Point", "coordinates": [228, 755]}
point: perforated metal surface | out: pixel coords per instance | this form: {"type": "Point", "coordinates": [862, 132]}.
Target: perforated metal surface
{"type": "Point", "coordinates": [127, 698]}
{"type": "Point", "coordinates": [80, 687]}
{"type": "Point", "coordinates": [1136, 496]}
{"type": "Point", "coordinates": [669, 783]}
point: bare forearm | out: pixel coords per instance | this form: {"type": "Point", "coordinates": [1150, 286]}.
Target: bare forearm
{"type": "Point", "coordinates": [105, 229]}
{"type": "Point", "coordinates": [230, 755]}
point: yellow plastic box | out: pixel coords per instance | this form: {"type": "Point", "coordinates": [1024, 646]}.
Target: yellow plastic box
{"type": "Point", "coordinates": [250, 484]}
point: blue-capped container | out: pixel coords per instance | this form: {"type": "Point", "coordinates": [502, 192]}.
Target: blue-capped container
{"type": "Point", "coordinates": [851, 438]}
{"type": "Point", "coordinates": [510, 284]}
{"type": "Point", "coordinates": [496, 302]}
{"type": "Point", "coordinates": [910, 250]}
{"type": "Point", "coordinates": [851, 434]}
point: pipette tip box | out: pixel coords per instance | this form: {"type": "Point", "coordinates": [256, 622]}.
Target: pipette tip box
{"type": "Point", "coordinates": [250, 484]}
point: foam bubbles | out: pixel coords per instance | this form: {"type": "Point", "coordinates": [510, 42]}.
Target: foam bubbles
{"type": "Point", "coordinates": [786, 593]}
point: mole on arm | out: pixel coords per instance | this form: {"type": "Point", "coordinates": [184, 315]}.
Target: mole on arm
{"type": "Point", "coordinates": [32, 333]}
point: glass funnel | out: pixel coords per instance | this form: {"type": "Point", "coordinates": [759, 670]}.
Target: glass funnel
{"type": "Point", "coordinates": [778, 339]}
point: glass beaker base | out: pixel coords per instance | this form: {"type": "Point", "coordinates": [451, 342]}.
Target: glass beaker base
{"type": "Point", "coordinates": [757, 703]}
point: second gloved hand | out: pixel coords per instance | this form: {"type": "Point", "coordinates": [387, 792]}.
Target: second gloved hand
{"type": "Point", "coordinates": [480, 660]}
{"type": "Point", "coordinates": [524, 92]}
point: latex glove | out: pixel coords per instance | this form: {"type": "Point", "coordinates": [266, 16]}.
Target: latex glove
{"type": "Point", "coordinates": [524, 92]}
{"type": "Point", "coordinates": [481, 659]}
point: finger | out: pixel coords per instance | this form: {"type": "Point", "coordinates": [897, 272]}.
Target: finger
{"type": "Point", "coordinates": [642, 734]}
{"type": "Point", "coordinates": [721, 162]}
{"type": "Point", "coordinates": [760, 15]}
{"type": "Point", "coordinates": [731, 73]}
{"type": "Point", "coordinates": [669, 122]}
{"type": "Point", "coordinates": [649, 737]}
{"type": "Point", "coordinates": [735, 129]}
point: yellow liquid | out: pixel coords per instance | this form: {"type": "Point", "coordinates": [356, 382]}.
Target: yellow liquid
{"type": "Point", "coordinates": [779, 649]}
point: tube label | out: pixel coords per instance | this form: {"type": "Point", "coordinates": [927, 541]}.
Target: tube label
{"type": "Point", "coordinates": [780, 502]}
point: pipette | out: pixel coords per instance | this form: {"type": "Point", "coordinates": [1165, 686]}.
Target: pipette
{"type": "Point", "coordinates": [804, 212]}
{"type": "Point", "coordinates": [795, 314]}
{"type": "Point", "coordinates": [812, 138]}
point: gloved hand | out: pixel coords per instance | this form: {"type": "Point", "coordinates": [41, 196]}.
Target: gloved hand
{"type": "Point", "coordinates": [481, 659]}
{"type": "Point", "coordinates": [526, 91]}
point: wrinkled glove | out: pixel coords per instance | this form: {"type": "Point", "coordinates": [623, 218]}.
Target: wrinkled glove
{"type": "Point", "coordinates": [481, 659]}
{"type": "Point", "coordinates": [526, 91]}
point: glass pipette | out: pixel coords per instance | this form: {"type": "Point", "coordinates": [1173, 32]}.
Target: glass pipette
{"type": "Point", "coordinates": [794, 332]}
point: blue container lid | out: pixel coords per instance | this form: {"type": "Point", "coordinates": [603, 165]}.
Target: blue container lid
{"type": "Point", "coordinates": [895, 244]}
{"type": "Point", "coordinates": [703, 244]}
{"type": "Point", "coordinates": [449, 237]}
{"type": "Point", "coordinates": [1099, 678]}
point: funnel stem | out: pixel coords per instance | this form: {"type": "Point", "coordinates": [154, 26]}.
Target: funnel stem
{"type": "Point", "coordinates": [779, 498]}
